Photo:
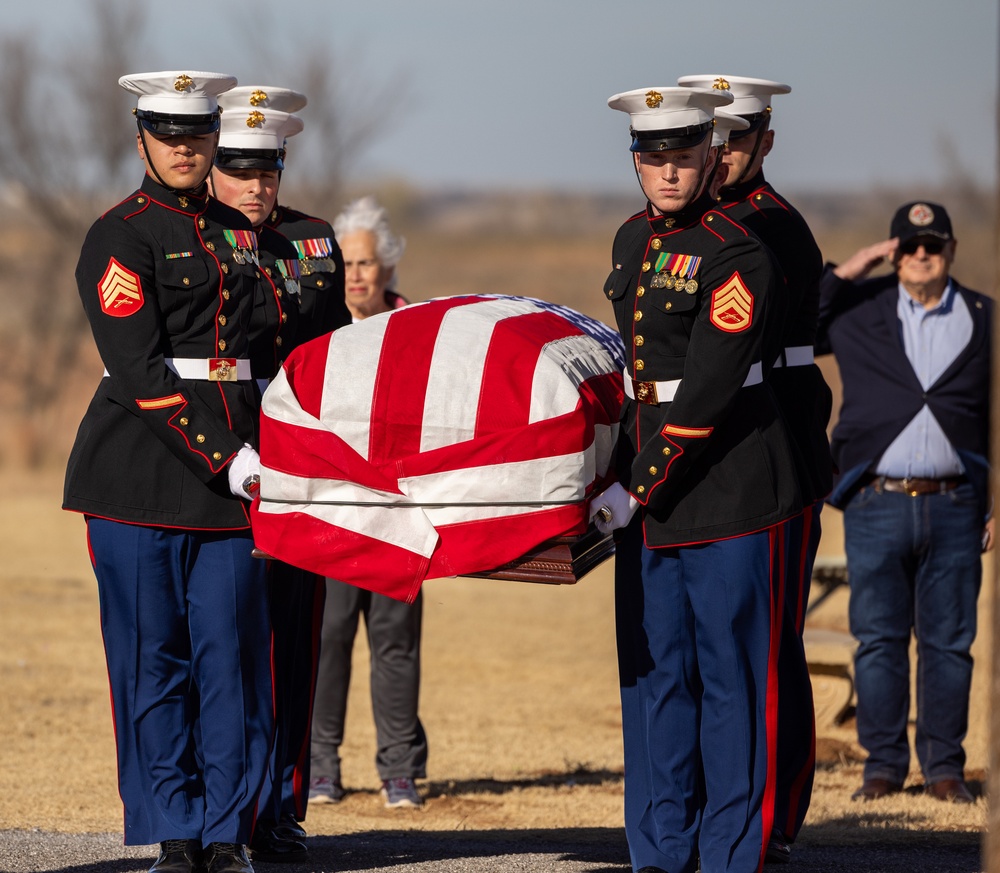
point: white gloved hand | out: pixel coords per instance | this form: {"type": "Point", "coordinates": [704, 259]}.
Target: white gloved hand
{"type": "Point", "coordinates": [241, 468]}
{"type": "Point", "coordinates": [612, 508]}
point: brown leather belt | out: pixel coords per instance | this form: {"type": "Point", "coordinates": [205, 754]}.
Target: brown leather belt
{"type": "Point", "coordinates": [916, 487]}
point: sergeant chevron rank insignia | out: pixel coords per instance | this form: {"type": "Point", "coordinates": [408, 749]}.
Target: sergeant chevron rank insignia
{"type": "Point", "coordinates": [121, 291]}
{"type": "Point", "coordinates": [732, 305]}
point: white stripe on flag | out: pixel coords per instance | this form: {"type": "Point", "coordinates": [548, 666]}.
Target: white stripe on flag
{"type": "Point", "coordinates": [396, 522]}
{"type": "Point", "coordinates": [562, 365]}
{"type": "Point", "coordinates": [348, 394]}
{"type": "Point", "coordinates": [542, 479]}
{"type": "Point", "coordinates": [456, 373]}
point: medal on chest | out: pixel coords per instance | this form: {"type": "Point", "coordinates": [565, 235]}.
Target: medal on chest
{"type": "Point", "coordinates": [290, 272]}
{"type": "Point", "coordinates": [315, 255]}
{"type": "Point", "coordinates": [244, 244]}
{"type": "Point", "coordinates": [676, 272]}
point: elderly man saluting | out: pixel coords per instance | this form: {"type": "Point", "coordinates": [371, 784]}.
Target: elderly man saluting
{"type": "Point", "coordinates": [911, 443]}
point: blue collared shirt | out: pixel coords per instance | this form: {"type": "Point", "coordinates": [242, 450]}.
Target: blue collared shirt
{"type": "Point", "coordinates": [932, 338]}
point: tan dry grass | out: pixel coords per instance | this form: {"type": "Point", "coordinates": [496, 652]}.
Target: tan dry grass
{"type": "Point", "coordinates": [519, 699]}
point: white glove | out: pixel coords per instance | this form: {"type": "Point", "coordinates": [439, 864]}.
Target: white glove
{"type": "Point", "coordinates": [245, 465]}
{"type": "Point", "coordinates": [612, 509]}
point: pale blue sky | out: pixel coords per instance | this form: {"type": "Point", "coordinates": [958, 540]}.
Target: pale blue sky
{"type": "Point", "coordinates": [513, 93]}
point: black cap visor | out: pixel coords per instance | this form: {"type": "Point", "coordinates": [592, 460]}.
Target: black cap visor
{"type": "Point", "coordinates": [673, 138]}
{"type": "Point", "coordinates": [757, 121]}
{"type": "Point", "coordinates": [164, 124]}
{"type": "Point", "coordinates": [249, 159]}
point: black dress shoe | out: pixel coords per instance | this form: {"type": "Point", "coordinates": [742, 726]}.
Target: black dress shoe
{"type": "Point", "coordinates": [873, 789]}
{"type": "Point", "coordinates": [178, 856]}
{"type": "Point", "coordinates": [289, 829]}
{"type": "Point", "coordinates": [950, 790]}
{"type": "Point", "coordinates": [778, 849]}
{"type": "Point", "coordinates": [226, 858]}
{"type": "Point", "coordinates": [269, 845]}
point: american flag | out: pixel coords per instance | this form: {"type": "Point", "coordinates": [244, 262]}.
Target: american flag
{"type": "Point", "coordinates": [441, 439]}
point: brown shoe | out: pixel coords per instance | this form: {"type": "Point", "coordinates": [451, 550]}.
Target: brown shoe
{"type": "Point", "coordinates": [951, 790]}
{"type": "Point", "coordinates": [873, 789]}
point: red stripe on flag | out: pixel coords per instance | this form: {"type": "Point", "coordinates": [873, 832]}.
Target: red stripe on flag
{"type": "Point", "coordinates": [515, 347]}
{"type": "Point", "coordinates": [305, 378]}
{"type": "Point", "coordinates": [307, 542]}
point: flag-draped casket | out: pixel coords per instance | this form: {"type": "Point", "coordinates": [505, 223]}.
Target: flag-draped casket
{"type": "Point", "coordinates": [441, 439]}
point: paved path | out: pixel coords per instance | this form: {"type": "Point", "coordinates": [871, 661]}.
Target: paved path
{"type": "Point", "coordinates": [543, 851]}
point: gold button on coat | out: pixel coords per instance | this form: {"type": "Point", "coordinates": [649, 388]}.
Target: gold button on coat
{"type": "Point", "coordinates": [640, 365]}
{"type": "Point", "coordinates": [202, 223]}
{"type": "Point", "coordinates": [200, 438]}
{"type": "Point", "coordinates": [666, 450]}
{"type": "Point", "coordinates": [217, 456]}
{"type": "Point", "coordinates": [222, 345]}
{"type": "Point", "coordinates": [640, 291]}
{"type": "Point", "coordinates": [655, 244]}
{"type": "Point", "coordinates": [222, 320]}
{"type": "Point", "coordinates": [184, 422]}
{"type": "Point", "coordinates": [637, 316]}
{"type": "Point", "coordinates": [225, 268]}
{"type": "Point", "coordinates": [186, 281]}
{"type": "Point", "coordinates": [641, 489]}
{"type": "Point", "coordinates": [277, 341]}
{"type": "Point", "coordinates": [319, 283]}
{"type": "Point", "coordinates": [225, 293]}
{"type": "Point", "coordinates": [639, 340]}
{"type": "Point", "coordinates": [668, 305]}
{"type": "Point", "coordinates": [653, 471]}
{"type": "Point", "coordinates": [646, 266]}
{"type": "Point", "coordinates": [210, 246]}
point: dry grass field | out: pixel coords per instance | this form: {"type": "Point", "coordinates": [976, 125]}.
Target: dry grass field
{"type": "Point", "coordinates": [519, 701]}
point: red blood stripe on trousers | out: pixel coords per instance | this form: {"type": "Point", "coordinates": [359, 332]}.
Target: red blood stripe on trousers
{"type": "Point", "coordinates": [777, 544]}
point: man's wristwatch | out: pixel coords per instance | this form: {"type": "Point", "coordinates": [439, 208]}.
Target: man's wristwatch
{"type": "Point", "coordinates": [251, 485]}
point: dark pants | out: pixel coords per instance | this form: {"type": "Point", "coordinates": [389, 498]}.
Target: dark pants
{"type": "Point", "coordinates": [697, 650]}
{"type": "Point", "coordinates": [296, 599]}
{"type": "Point", "coordinates": [394, 640]}
{"type": "Point", "coordinates": [914, 566]}
{"type": "Point", "coordinates": [188, 644]}
{"type": "Point", "coordinates": [796, 753]}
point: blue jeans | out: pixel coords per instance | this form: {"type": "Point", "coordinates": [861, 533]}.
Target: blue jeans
{"type": "Point", "coordinates": [914, 565]}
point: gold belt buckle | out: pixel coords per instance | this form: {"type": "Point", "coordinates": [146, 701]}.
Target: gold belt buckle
{"type": "Point", "coordinates": [908, 487]}
{"type": "Point", "coordinates": [222, 369]}
{"type": "Point", "coordinates": [645, 392]}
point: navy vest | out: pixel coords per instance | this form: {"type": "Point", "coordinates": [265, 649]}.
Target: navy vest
{"type": "Point", "coordinates": [882, 394]}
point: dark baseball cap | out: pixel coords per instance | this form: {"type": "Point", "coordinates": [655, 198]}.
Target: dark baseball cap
{"type": "Point", "coordinates": [920, 218]}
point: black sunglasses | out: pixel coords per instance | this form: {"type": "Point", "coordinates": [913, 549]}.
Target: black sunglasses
{"type": "Point", "coordinates": [931, 246]}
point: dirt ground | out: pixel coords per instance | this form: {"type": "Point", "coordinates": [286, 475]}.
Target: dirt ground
{"type": "Point", "coordinates": [519, 700]}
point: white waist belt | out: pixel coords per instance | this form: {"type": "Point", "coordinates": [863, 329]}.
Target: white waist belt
{"type": "Point", "coordinates": [664, 392]}
{"type": "Point", "coordinates": [795, 356]}
{"type": "Point", "coordinates": [209, 369]}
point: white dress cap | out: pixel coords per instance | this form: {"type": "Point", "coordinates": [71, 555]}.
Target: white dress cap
{"type": "Point", "coordinates": [724, 125]}
{"type": "Point", "coordinates": [263, 97]}
{"type": "Point", "coordinates": [751, 96]}
{"type": "Point", "coordinates": [669, 108]}
{"type": "Point", "coordinates": [178, 92]}
{"type": "Point", "coordinates": [256, 129]}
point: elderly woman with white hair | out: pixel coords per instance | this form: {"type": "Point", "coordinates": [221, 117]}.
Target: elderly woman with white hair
{"type": "Point", "coordinates": [371, 252]}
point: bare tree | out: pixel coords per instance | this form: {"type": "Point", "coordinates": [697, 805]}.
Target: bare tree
{"type": "Point", "coordinates": [66, 154]}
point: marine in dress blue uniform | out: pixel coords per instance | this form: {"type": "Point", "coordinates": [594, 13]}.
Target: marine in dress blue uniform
{"type": "Point", "coordinates": [706, 478]}
{"type": "Point", "coordinates": [162, 467]}
{"type": "Point", "coordinates": [806, 402]}
{"type": "Point", "coordinates": [306, 300]}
